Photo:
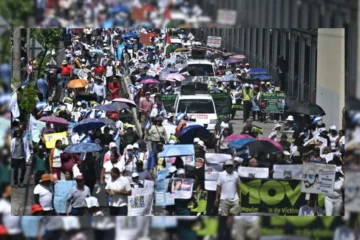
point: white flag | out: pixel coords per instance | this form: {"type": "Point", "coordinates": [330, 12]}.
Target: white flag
{"type": "Point", "coordinates": [190, 36]}
{"type": "Point", "coordinates": [143, 30]}
{"type": "Point", "coordinates": [14, 106]}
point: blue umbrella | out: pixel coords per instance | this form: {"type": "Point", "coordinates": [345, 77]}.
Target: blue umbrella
{"type": "Point", "coordinates": [228, 78]}
{"type": "Point", "coordinates": [257, 71]}
{"type": "Point", "coordinates": [83, 148]}
{"type": "Point", "coordinates": [118, 9]}
{"type": "Point", "coordinates": [130, 35]}
{"type": "Point", "coordinates": [232, 60]}
{"type": "Point", "coordinates": [238, 143]}
{"type": "Point", "coordinates": [187, 135]}
{"type": "Point", "coordinates": [88, 124]}
{"type": "Point", "coordinates": [262, 77]}
{"type": "Point", "coordinates": [98, 51]}
{"type": "Point", "coordinates": [107, 107]}
{"type": "Point", "coordinates": [177, 150]}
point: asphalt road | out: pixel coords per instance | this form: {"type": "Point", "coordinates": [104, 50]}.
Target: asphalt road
{"type": "Point", "coordinates": [22, 198]}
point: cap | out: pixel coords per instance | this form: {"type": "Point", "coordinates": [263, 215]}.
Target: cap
{"type": "Point", "coordinates": [277, 126]}
{"type": "Point", "coordinates": [46, 177]}
{"type": "Point", "coordinates": [246, 85]}
{"type": "Point", "coordinates": [172, 169]}
{"type": "Point", "coordinates": [170, 115]}
{"type": "Point", "coordinates": [129, 147]}
{"type": "Point", "coordinates": [268, 83]}
{"type": "Point", "coordinates": [228, 162]}
{"type": "Point", "coordinates": [201, 143]}
{"type": "Point", "coordinates": [36, 208]}
{"type": "Point", "coordinates": [134, 175]}
{"type": "Point", "coordinates": [180, 171]}
{"type": "Point", "coordinates": [238, 159]}
{"type": "Point", "coordinates": [92, 202]}
{"type": "Point", "coordinates": [112, 144]}
{"type": "Point", "coordinates": [78, 103]}
{"type": "Point", "coordinates": [196, 140]}
{"type": "Point", "coordinates": [200, 160]}
{"type": "Point", "coordinates": [64, 62]}
{"type": "Point", "coordinates": [333, 127]}
{"type": "Point", "coordinates": [286, 153]}
{"type": "Point", "coordinates": [296, 154]}
{"type": "Point", "coordinates": [136, 145]}
{"type": "Point", "coordinates": [290, 118]}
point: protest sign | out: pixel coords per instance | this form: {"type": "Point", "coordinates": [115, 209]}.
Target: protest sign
{"type": "Point", "coordinates": [213, 41]}
{"type": "Point", "coordinates": [61, 191]}
{"type": "Point", "coordinates": [138, 14]}
{"type": "Point", "coordinates": [162, 197]}
{"type": "Point", "coordinates": [140, 201]}
{"type": "Point", "coordinates": [169, 102]}
{"type": "Point", "coordinates": [318, 178]}
{"type": "Point", "coordinates": [288, 172]}
{"type": "Point", "coordinates": [213, 166]}
{"type": "Point", "coordinates": [223, 103]}
{"type": "Point", "coordinates": [352, 197]}
{"type": "Point", "coordinates": [50, 139]}
{"type": "Point", "coordinates": [201, 198]}
{"type": "Point", "coordinates": [145, 39]}
{"type": "Point", "coordinates": [253, 172]}
{"type": "Point", "coordinates": [36, 127]}
{"type": "Point", "coordinates": [29, 226]}
{"type": "Point", "coordinates": [289, 135]}
{"type": "Point", "coordinates": [272, 102]}
{"type": "Point", "coordinates": [280, 197]}
{"type": "Point", "coordinates": [163, 222]}
{"type": "Point", "coordinates": [182, 188]}
{"type": "Point", "coordinates": [226, 17]}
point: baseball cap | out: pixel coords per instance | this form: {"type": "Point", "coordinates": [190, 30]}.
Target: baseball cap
{"type": "Point", "coordinates": [136, 145]}
{"type": "Point", "coordinates": [196, 140]}
{"type": "Point", "coordinates": [228, 162]}
{"type": "Point", "coordinates": [134, 175]}
{"type": "Point", "coordinates": [238, 159]}
{"type": "Point", "coordinates": [129, 147]}
{"type": "Point", "coordinates": [180, 171]}
{"type": "Point", "coordinates": [36, 208]}
{"type": "Point", "coordinates": [172, 169]}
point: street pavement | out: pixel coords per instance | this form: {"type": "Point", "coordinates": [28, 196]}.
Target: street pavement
{"type": "Point", "coordinates": [22, 198]}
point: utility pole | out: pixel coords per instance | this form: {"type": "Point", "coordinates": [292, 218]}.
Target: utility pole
{"type": "Point", "coordinates": [28, 43]}
{"type": "Point", "coordinates": [16, 63]}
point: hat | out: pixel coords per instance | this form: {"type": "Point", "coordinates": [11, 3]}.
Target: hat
{"type": "Point", "coordinates": [196, 140]}
{"type": "Point", "coordinates": [64, 62]}
{"type": "Point", "coordinates": [333, 127]}
{"type": "Point", "coordinates": [246, 85]}
{"type": "Point", "coordinates": [129, 147]}
{"type": "Point", "coordinates": [134, 175]}
{"type": "Point", "coordinates": [180, 171]}
{"type": "Point", "coordinates": [170, 115]}
{"type": "Point", "coordinates": [238, 159]}
{"type": "Point", "coordinates": [284, 136]}
{"type": "Point", "coordinates": [320, 123]}
{"type": "Point", "coordinates": [277, 126]}
{"type": "Point", "coordinates": [46, 177]}
{"type": "Point", "coordinates": [172, 169]}
{"type": "Point", "coordinates": [142, 144]}
{"type": "Point", "coordinates": [112, 144]}
{"type": "Point", "coordinates": [290, 118]}
{"type": "Point", "coordinates": [201, 143]}
{"type": "Point", "coordinates": [36, 208]}
{"type": "Point", "coordinates": [147, 93]}
{"type": "Point", "coordinates": [237, 69]}
{"type": "Point", "coordinates": [268, 83]}
{"type": "Point", "coordinates": [92, 202]}
{"type": "Point", "coordinates": [136, 145]}
{"type": "Point", "coordinates": [83, 102]}
{"type": "Point", "coordinates": [228, 162]}
{"type": "Point", "coordinates": [262, 83]}
{"type": "Point", "coordinates": [199, 160]}
{"type": "Point", "coordinates": [296, 154]}
{"type": "Point", "coordinates": [286, 153]}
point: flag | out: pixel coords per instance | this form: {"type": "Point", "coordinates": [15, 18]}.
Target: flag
{"type": "Point", "coordinates": [24, 84]}
{"type": "Point", "coordinates": [14, 107]}
{"type": "Point", "coordinates": [169, 47]}
{"type": "Point", "coordinates": [180, 116]}
{"type": "Point", "coordinates": [190, 36]}
{"type": "Point", "coordinates": [243, 152]}
{"type": "Point", "coordinates": [41, 105]}
{"type": "Point", "coordinates": [117, 135]}
{"type": "Point", "coordinates": [147, 124]}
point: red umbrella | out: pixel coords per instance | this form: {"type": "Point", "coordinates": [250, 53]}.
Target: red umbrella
{"type": "Point", "coordinates": [237, 136]}
{"type": "Point", "coordinates": [275, 143]}
{"type": "Point", "coordinates": [54, 120]}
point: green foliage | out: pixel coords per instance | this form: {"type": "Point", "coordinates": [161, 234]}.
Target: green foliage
{"type": "Point", "coordinates": [16, 12]}
{"type": "Point", "coordinates": [27, 101]}
{"type": "Point", "coordinates": [48, 38]}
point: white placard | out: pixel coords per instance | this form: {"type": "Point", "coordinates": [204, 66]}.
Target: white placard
{"type": "Point", "coordinates": [226, 17]}
{"type": "Point", "coordinates": [318, 178]}
{"type": "Point", "coordinates": [352, 187]}
{"type": "Point", "coordinates": [213, 41]}
{"type": "Point", "coordinates": [214, 165]}
{"type": "Point", "coordinates": [140, 202]}
{"type": "Point", "coordinates": [182, 188]}
{"type": "Point", "coordinates": [253, 172]}
{"type": "Point", "coordinates": [288, 172]}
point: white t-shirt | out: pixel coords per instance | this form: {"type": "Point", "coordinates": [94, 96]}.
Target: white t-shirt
{"type": "Point", "coordinates": [75, 138]}
{"type": "Point", "coordinates": [11, 223]}
{"type": "Point", "coordinates": [121, 184]}
{"type": "Point", "coordinates": [247, 218]}
{"type": "Point", "coordinates": [131, 166]}
{"type": "Point", "coordinates": [103, 223]}
{"type": "Point", "coordinates": [130, 228]}
{"type": "Point", "coordinates": [71, 223]}
{"type": "Point", "coordinates": [344, 233]}
{"type": "Point", "coordinates": [120, 125]}
{"type": "Point", "coordinates": [109, 71]}
{"type": "Point", "coordinates": [56, 158]}
{"type": "Point", "coordinates": [339, 184]}
{"type": "Point", "coordinates": [306, 210]}
{"type": "Point", "coordinates": [108, 166]}
{"type": "Point", "coordinates": [45, 196]}
{"type": "Point", "coordinates": [229, 184]}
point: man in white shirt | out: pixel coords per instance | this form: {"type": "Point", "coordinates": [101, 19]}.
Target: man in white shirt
{"type": "Point", "coordinates": [248, 226]}
{"type": "Point", "coordinates": [227, 191]}
{"type": "Point", "coordinates": [312, 208]}
{"type": "Point", "coordinates": [43, 194]}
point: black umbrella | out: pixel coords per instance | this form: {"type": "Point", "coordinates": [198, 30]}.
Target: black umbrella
{"type": "Point", "coordinates": [257, 146]}
{"type": "Point", "coordinates": [306, 108]}
{"type": "Point", "coordinates": [86, 97]}
{"type": "Point", "coordinates": [108, 122]}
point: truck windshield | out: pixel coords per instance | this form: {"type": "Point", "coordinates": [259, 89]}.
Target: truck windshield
{"type": "Point", "coordinates": [199, 70]}
{"type": "Point", "coordinates": [196, 106]}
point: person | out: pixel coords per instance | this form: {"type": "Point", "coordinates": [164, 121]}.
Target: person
{"type": "Point", "coordinates": [54, 227]}
{"type": "Point", "coordinates": [55, 159]}
{"type": "Point", "coordinates": [143, 173]}
{"type": "Point", "coordinates": [221, 125]}
{"type": "Point", "coordinates": [105, 175]}
{"type": "Point", "coordinates": [275, 131]}
{"type": "Point", "coordinates": [333, 136]}
{"type": "Point", "coordinates": [129, 160]}
{"type": "Point", "coordinates": [247, 95]}
{"type": "Point", "coordinates": [290, 123]}
{"type": "Point", "coordinates": [146, 156]}
{"type": "Point", "coordinates": [42, 86]}
{"type": "Point", "coordinates": [20, 152]}
{"type": "Point", "coordinates": [199, 174]}
{"type": "Point", "coordinates": [114, 87]}
{"type": "Point", "coordinates": [157, 134]}
{"type": "Point", "coordinates": [248, 127]}
{"type": "Point", "coordinates": [107, 137]}
{"type": "Point", "coordinates": [145, 107]}
{"type": "Point", "coordinates": [87, 169]}
{"type": "Point", "coordinates": [76, 198]}
{"type": "Point", "coordinates": [316, 158]}
{"type": "Point", "coordinates": [334, 201]}
{"type": "Point", "coordinates": [44, 194]}
{"type": "Point", "coordinates": [118, 188]}
{"type": "Point", "coordinates": [227, 191]}
{"type": "Point", "coordinates": [158, 110]}
{"type": "Point", "coordinates": [135, 181]}
{"type": "Point", "coordinates": [93, 207]}
{"type": "Point", "coordinates": [39, 163]}
{"type": "Point", "coordinates": [284, 143]}
{"type": "Point", "coordinates": [253, 162]}
{"type": "Point", "coordinates": [66, 72]}
{"type": "Point", "coordinates": [181, 125]}
{"type": "Point", "coordinates": [170, 119]}
{"type": "Point", "coordinates": [99, 90]}
{"type": "Point", "coordinates": [128, 138]}
{"type": "Point", "coordinates": [312, 208]}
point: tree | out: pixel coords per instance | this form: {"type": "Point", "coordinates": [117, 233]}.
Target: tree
{"type": "Point", "coordinates": [27, 101]}
{"type": "Point", "coordinates": [49, 39]}
{"type": "Point", "coordinates": [16, 12]}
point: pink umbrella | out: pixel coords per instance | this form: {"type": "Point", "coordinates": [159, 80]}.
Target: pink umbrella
{"type": "Point", "coordinates": [175, 76]}
{"type": "Point", "coordinates": [149, 81]}
{"type": "Point", "coordinates": [236, 136]}
{"type": "Point", "coordinates": [124, 100]}
{"type": "Point", "coordinates": [54, 120]}
{"type": "Point", "coordinates": [275, 143]}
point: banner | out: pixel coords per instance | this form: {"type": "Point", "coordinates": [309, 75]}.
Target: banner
{"type": "Point", "coordinates": [318, 178]}
{"type": "Point", "coordinates": [163, 222]}
{"type": "Point", "coordinates": [273, 102]}
{"type": "Point", "coordinates": [213, 166]}
{"type": "Point", "coordinates": [223, 104]}
{"type": "Point", "coordinates": [289, 135]}
{"type": "Point", "coordinates": [288, 172]}
{"type": "Point", "coordinates": [162, 197]}
{"type": "Point", "coordinates": [352, 197]}
{"type": "Point", "coordinates": [61, 191]}
{"type": "Point", "coordinates": [312, 227]}
{"type": "Point", "coordinates": [36, 127]}
{"type": "Point", "coordinates": [201, 198]}
{"type": "Point", "coordinates": [188, 161]}
{"type": "Point", "coordinates": [140, 202]}
{"type": "Point", "coordinates": [50, 139]}
{"type": "Point", "coordinates": [182, 188]}
{"type": "Point", "coordinates": [138, 14]}
{"type": "Point", "coordinates": [226, 17]}
{"type": "Point", "coordinates": [213, 41]}
{"type": "Point", "coordinates": [169, 102]}
{"type": "Point", "coordinates": [29, 225]}
{"type": "Point", "coordinates": [253, 172]}
{"type": "Point", "coordinates": [278, 197]}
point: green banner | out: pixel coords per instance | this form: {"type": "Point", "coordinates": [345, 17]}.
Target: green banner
{"type": "Point", "coordinates": [222, 103]}
{"type": "Point", "coordinates": [238, 105]}
{"type": "Point", "coordinates": [201, 198]}
{"type": "Point", "coordinates": [169, 102]}
{"type": "Point", "coordinates": [272, 102]}
{"type": "Point", "coordinates": [315, 228]}
{"type": "Point", "coordinates": [282, 197]}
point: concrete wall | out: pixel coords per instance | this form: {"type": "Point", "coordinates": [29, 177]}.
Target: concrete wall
{"type": "Point", "coordinates": [330, 87]}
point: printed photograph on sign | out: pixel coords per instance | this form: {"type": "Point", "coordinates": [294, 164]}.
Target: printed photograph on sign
{"type": "Point", "coordinates": [318, 178]}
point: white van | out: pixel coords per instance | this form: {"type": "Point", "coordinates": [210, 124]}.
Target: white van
{"type": "Point", "coordinates": [200, 107]}
{"type": "Point", "coordinates": [200, 67]}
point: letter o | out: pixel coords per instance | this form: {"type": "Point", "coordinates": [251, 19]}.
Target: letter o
{"type": "Point", "coordinates": [272, 192]}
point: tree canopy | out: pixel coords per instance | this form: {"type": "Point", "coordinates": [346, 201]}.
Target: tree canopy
{"type": "Point", "coordinates": [49, 38]}
{"type": "Point", "coordinates": [16, 12]}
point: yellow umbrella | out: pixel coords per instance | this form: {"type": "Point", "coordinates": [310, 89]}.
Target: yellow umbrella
{"type": "Point", "coordinates": [77, 83]}
{"type": "Point", "coordinates": [182, 50]}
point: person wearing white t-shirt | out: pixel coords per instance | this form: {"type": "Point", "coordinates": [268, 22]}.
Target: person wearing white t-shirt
{"type": "Point", "coordinates": [227, 191]}
{"type": "Point", "coordinates": [103, 227]}
{"type": "Point", "coordinates": [132, 228]}
{"type": "Point", "coordinates": [118, 188]}
{"type": "Point", "coordinates": [44, 194]}
{"type": "Point", "coordinates": [334, 201]}
{"type": "Point", "coordinates": [312, 208]}
{"type": "Point", "coordinates": [248, 226]}
{"type": "Point", "coordinates": [105, 176]}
